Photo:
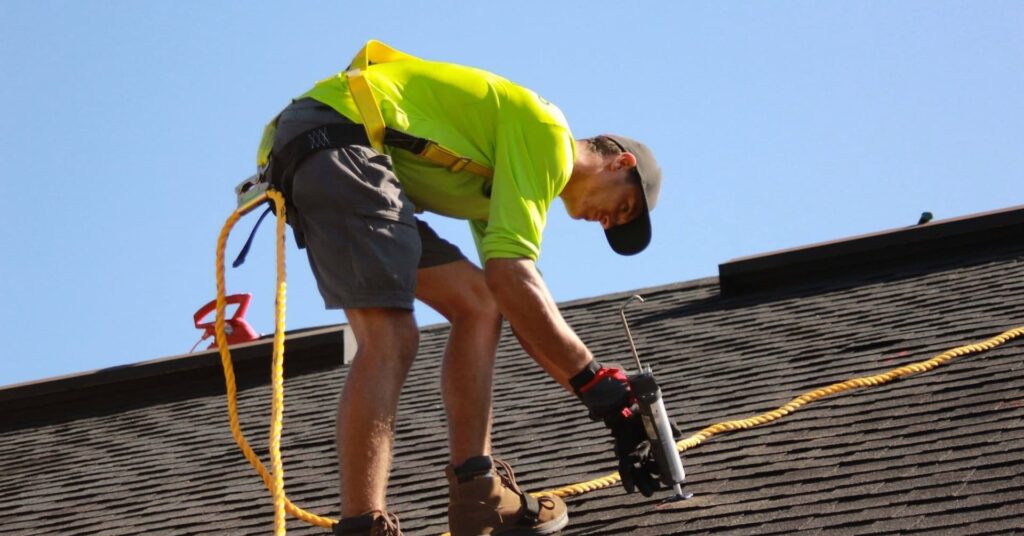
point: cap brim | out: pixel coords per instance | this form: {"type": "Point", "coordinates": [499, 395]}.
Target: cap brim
{"type": "Point", "coordinates": [630, 238]}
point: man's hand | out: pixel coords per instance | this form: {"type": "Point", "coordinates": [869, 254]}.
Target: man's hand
{"type": "Point", "coordinates": [607, 394]}
{"type": "Point", "coordinates": [637, 466]}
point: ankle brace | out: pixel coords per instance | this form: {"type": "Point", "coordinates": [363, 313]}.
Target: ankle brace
{"type": "Point", "coordinates": [354, 525]}
{"type": "Point", "coordinates": [474, 467]}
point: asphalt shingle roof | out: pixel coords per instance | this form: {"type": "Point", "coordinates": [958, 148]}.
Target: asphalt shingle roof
{"type": "Point", "coordinates": [936, 453]}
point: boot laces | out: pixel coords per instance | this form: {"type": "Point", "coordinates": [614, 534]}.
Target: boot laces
{"type": "Point", "coordinates": [387, 524]}
{"type": "Point", "coordinates": [546, 501]}
{"type": "Point", "coordinates": [508, 477]}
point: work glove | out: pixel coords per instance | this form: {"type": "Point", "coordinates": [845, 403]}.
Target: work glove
{"type": "Point", "coordinates": [608, 396]}
{"type": "Point", "coordinates": [637, 467]}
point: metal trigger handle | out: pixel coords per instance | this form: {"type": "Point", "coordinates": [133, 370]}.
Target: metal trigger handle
{"type": "Point", "coordinates": [629, 335]}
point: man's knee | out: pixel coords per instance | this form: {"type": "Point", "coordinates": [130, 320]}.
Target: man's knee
{"type": "Point", "coordinates": [385, 331]}
{"type": "Point", "coordinates": [471, 301]}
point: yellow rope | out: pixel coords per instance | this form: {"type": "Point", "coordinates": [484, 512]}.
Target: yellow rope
{"type": "Point", "coordinates": [796, 403]}
{"type": "Point", "coordinates": [274, 481]}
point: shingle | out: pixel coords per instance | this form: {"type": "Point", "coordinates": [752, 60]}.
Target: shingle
{"type": "Point", "coordinates": [935, 453]}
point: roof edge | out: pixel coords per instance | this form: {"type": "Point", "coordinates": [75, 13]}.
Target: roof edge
{"type": "Point", "coordinates": [825, 259]}
{"type": "Point", "coordinates": [253, 352]}
{"type": "Point", "coordinates": [744, 273]}
{"type": "Point", "coordinates": [241, 355]}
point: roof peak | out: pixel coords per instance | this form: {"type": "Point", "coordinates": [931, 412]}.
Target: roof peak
{"type": "Point", "coordinates": [815, 262]}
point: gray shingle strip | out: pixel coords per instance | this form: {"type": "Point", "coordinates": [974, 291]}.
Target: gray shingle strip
{"type": "Point", "coordinates": [826, 514]}
{"type": "Point", "coordinates": [943, 514]}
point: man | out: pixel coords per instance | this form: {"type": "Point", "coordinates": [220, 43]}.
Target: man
{"type": "Point", "coordinates": [353, 187]}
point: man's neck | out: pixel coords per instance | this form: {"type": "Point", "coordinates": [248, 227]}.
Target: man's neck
{"type": "Point", "coordinates": [586, 164]}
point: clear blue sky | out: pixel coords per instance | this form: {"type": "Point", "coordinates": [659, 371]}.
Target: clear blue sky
{"type": "Point", "coordinates": [778, 124]}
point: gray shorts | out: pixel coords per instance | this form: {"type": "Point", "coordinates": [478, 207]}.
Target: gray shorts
{"type": "Point", "coordinates": [362, 238]}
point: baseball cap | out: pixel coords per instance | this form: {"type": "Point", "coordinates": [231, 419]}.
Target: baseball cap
{"type": "Point", "coordinates": [632, 237]}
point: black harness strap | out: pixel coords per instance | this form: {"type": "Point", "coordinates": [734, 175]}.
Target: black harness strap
{"type": "Point", "coordinates": [281, 168]}
{"type": "Point", "coordinates": [332, 136]}
{"type": "Point", "coordinates": [407, 142]}
{"type": "Point", "coordinates": [252, 234]}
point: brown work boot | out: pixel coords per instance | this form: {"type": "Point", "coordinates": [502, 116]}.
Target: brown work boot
{"type": "Point", "coordinates": [375, 523]}
{"type": "Point", "coordinates": [485, 499]}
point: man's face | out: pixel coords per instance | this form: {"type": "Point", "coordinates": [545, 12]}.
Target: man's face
{"type": "Point", "coordinates": [612, 199]}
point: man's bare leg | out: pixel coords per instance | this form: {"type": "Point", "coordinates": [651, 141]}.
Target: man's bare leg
{"type": "Point", "coordinates": [388, 340]}
{"type": "Point", "coordinates": [458, 291]}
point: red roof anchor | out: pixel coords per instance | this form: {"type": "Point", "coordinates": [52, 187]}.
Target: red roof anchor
{"type": "Point", "coordinates": [236, 328]}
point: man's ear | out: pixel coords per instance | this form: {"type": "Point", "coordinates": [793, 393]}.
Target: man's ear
{"type": "Point", "coordinates": [625, 160]}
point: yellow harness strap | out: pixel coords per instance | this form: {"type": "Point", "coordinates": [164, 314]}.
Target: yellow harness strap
{"type": "Point", "coordinates": [455, 163]}
{"type": "Point", "coordinates": [369, 110]}
{"type": "Point", "coordinates": [373, 121]}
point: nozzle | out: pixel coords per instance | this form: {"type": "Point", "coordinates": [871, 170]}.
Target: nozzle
{"type": "Point", "coordinates": [679, 496]}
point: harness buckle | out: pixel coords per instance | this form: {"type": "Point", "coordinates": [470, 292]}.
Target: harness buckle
{"type": "Point", "coordinates": [459, 164]}
{"type": "Point", "coordinates": [251, 188]}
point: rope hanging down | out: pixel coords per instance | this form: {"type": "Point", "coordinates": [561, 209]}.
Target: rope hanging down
{"type": "Point", "coordinates": [274, 480]}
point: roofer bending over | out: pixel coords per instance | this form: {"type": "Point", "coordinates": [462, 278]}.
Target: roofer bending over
{"type": "Point", "coordinates": [356, 157]}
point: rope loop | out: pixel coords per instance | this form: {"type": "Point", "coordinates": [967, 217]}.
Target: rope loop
{"type": "Point", "coordinates": [273, 480]}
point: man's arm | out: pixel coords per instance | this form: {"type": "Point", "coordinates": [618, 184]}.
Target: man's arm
{"type": "Point", "coordinates": [524, 300]}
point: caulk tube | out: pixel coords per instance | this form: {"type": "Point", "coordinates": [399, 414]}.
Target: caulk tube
{"type": "Point", "coordinates": [657, 428]}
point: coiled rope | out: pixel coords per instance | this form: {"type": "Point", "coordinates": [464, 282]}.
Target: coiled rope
{"type": "Point", "coordinates": [274, 480]}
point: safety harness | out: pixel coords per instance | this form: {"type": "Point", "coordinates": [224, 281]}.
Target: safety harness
{"type": "Point", "coordinates": [277, 168]}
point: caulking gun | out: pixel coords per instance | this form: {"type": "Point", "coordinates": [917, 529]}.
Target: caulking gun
{"type": "Point", "coordinates": [657, 427]}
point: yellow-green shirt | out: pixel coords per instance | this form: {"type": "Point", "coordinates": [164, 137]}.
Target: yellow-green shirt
{"type": "Point", "coordinates": [481, 116]}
